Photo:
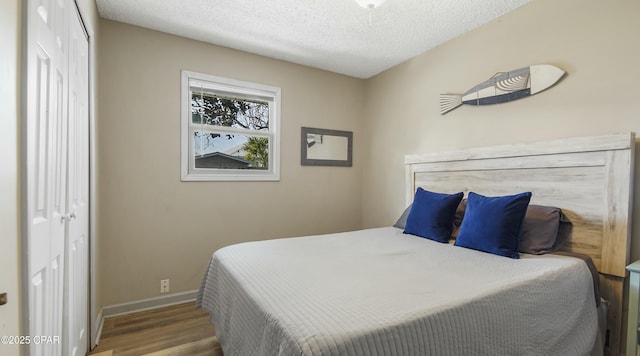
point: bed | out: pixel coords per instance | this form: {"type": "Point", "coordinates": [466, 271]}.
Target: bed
{"type": "Point", "coordinates": [382, 292]}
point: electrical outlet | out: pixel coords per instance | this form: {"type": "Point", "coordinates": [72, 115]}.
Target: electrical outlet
{"type": "Point", "coordinates": [164, 286]}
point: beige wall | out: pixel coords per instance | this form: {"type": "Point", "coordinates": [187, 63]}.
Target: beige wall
{"type": "Point", "coordinates": [595, 41]}
{"type": "Point", "coordinates": [151, 225]}
{"type": "Point", "coordinates": [9, 186]}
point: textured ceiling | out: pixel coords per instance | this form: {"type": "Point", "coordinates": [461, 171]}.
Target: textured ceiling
{"type": "Point", "coordinates": [335, 35]}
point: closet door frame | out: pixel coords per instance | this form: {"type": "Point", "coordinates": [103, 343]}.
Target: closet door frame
{"type": "Point", "coordinates": [26, 176]}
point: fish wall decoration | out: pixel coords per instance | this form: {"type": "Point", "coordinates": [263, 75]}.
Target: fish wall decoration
{"type": "Point", "coordinates": [504, 87]}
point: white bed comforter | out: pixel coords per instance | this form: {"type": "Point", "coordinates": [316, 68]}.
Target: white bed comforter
{"type": "Point", "coordinates": [380, 292]}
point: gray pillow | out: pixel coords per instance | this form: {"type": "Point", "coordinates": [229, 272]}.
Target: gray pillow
{"type": "Point", "coordinates": [402, 220]}
{"type": "Point", "coordinates": [457, 219]}
{"type": "Point", "coordinates": [544, 230]}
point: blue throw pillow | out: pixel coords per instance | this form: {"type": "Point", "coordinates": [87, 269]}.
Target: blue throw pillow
{"type": "Point", "coordinates": [493, 224]}
{"type": "Point", "coordinates": [431, 215]}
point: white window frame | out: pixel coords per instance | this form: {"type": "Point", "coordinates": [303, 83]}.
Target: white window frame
{"type": "Point", "coordinates": [240, 89]}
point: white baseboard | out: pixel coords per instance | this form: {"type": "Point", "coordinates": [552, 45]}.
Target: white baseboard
{"type": "Point", "coordinates": [148, 304]}
{"type": "Point", "coordinates": [142, 305]}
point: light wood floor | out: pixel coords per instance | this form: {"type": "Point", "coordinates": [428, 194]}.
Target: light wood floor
{"type": "Point", "coordinates": [175, 330]}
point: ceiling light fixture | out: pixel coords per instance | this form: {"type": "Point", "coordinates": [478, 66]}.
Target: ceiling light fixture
{"type": "Point", "coordinates": [369, 4]}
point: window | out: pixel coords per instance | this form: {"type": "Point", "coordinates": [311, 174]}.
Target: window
{"type": "Point", "coordinates": [230, 129]}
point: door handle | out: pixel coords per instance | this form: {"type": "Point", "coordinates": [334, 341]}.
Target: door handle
{"type": "Point", "coordinates": [68, 217]}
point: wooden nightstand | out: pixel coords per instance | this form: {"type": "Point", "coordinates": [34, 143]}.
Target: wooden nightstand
{"type": "Point", "coordinates": [634, 293]}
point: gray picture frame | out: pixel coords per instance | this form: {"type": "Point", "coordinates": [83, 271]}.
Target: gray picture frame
{"type": "Point", "coordinates": [339, 155]}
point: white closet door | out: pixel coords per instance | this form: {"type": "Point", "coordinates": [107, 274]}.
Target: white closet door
{"type": "Point", "coordinates": [46, 168]}
{"type": "Point", "coordinates": [77, 247]}
{"type": "Point", "coordinates": [57, 141]}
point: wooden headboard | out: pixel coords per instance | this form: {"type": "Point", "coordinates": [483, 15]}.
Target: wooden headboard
{"type": "Point", "coordinates": [589, 178]}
